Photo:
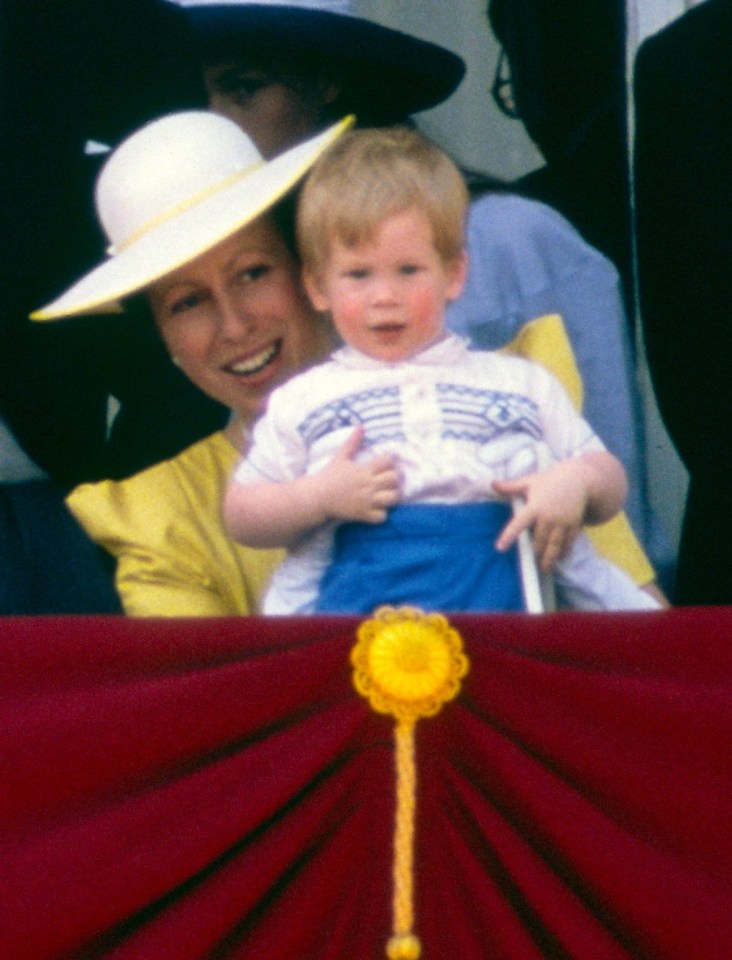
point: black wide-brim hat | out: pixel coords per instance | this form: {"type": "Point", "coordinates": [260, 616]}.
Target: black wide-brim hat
{"type": "Point", "coordinates": [404, 74]}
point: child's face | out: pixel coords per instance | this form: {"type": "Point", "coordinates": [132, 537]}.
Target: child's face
{"type": "Point", "coordinates": [387, 296]}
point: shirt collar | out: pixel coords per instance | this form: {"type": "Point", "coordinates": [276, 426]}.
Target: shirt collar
{"type": "Point", "coordinates": [448, 351]}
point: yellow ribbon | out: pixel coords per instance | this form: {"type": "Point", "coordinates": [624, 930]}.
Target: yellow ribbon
{"type": "Point", "coordinates": [408, 664]}
{"type": "Point", "coordinates": [183, 206]}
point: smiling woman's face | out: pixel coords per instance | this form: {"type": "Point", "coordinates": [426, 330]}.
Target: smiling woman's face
{"type": "Point", "coordinates": [236, 320]}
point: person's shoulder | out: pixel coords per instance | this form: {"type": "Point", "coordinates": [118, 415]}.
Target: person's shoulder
{"type": "Point", "coordinates": [689, 39]}
{"type": "Point", "coordinates": [529, 233]}
{"type": "Point", "coordinates": [487, 364]}
{"type": "Point", "coordinates": [513, 216]}
{"type": "Point", "coordinates": [212, 456]}
{"type": "Point", "coordinates": [161, 489]}
{"type": "Point", "coordinates": [302, 381]}
{"type": "Point", "coordinates": [522, 254]}
{"type": "Point", "coordinates": [295, 395]}
{"type": "Point", "coordinates": [703, 21]}
{"type": "Point", "coordinates": [510, 372]}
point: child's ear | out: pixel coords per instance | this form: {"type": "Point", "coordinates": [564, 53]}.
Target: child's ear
{"type": "Point", "coordinates": [314, 291]}
{"type": "Point", "coordinates": [458, 272]}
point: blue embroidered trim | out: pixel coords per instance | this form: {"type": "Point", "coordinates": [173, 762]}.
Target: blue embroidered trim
{"type": "Point", "coordinates": [378, 410]}
{"type": "Point", "coordinates": [468, 413]}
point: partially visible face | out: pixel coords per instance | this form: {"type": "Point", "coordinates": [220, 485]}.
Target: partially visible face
{"type": "Point", "coordinates": [274, 113]}
{"type": "Point", "coordinates": [236, 319]}
{"type": "Point", "coordinates": [387, 296]}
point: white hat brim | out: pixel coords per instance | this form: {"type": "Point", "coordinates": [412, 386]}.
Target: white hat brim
{"type": "Point", "coordinates": [189, 233]}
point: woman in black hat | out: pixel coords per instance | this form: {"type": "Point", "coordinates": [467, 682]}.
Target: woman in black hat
{"type": "Point", "coordinates": [283, 69]}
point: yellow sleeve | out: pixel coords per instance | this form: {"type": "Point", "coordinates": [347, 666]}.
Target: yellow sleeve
{"type": "Point", "coordinates": [545, 341]}
{"type": "Point", "coordinates": [174, 558]}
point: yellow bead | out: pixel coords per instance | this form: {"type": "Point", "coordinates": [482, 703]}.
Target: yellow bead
{"type": "Point", "coordinates": [404, 947]}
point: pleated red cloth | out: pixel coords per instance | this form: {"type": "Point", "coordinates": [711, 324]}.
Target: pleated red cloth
{"type": "Point", "coordinates": [185, 789]}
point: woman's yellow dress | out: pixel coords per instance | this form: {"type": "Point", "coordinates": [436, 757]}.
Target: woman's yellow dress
{"type": "Point", "coordinates": [164, 527]}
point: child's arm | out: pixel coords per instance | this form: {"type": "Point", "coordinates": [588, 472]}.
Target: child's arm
{"type": "Point", "coordinates": [279, 514]}
{"type": "Point", "coordinates": [560, 500]}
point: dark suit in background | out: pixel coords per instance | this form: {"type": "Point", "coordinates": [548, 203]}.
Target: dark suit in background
{"type": "Point", "coordinates": [683, 183]}
{"type": "Point", "coordinates": [567, 65]}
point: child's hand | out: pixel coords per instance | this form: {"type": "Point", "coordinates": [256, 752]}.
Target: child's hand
{"type": "Point", "coordinates": [554, 509]}
{"type": "Point", "coordinates": [358, 491]}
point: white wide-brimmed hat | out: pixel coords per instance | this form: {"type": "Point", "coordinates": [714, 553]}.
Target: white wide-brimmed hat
{"type": "Point", "coordinates": [173, 190]}
{"type": "Point", "coordinates": [396, 72]}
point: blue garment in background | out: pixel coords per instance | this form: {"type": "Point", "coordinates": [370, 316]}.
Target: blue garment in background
{"type": "Point", "coordinates": [47, 563]}
{"type": "Point", "coordinates": [525, 261]}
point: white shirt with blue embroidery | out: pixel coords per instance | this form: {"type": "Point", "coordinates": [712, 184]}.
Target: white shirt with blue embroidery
{"type": "Point", "coordinates": [455, 420]}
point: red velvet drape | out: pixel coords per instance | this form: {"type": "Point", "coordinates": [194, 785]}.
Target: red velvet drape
{"type": "Point", "coordinates": [216, 788]}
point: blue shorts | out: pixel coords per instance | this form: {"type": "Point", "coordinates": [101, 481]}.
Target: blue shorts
{"type": "Point", "coordinates": [436, 557]}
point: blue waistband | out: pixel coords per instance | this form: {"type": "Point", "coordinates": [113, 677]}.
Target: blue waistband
{"type": "Point", "coordinates": [464, 522]}
{"type": "Point", "coordinates": [434, 556]}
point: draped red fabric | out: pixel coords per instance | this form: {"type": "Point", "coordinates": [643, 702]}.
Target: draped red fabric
{"type": "Point", "coordinates": [217, 789]}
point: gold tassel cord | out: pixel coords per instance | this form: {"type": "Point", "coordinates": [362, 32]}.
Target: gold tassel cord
{"type": "Point", "coordinates": [407, 664]}
{"type": "Point", "coordinates": [403, 943]}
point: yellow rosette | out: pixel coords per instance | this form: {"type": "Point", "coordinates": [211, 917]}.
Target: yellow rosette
{"type": "Point", "coordinates": [408, 664]}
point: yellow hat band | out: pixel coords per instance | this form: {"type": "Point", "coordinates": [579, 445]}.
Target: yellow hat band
{"type": "Point", "coordinates": [188, 204]}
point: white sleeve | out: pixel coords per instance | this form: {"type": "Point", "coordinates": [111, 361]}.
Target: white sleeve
{"type": "Point", "coordinates": [566, 432]}
{"type": "Point", "coordinates": [277, 452]}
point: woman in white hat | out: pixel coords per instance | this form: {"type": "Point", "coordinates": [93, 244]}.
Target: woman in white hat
{"type": "Point", "coordinates": [282, 68]}
{"type": "Point", "coordinates": [187, 203]}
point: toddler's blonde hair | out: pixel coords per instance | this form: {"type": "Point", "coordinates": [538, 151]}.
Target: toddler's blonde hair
{"type": "Point", "coordinates": [368, 175]}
